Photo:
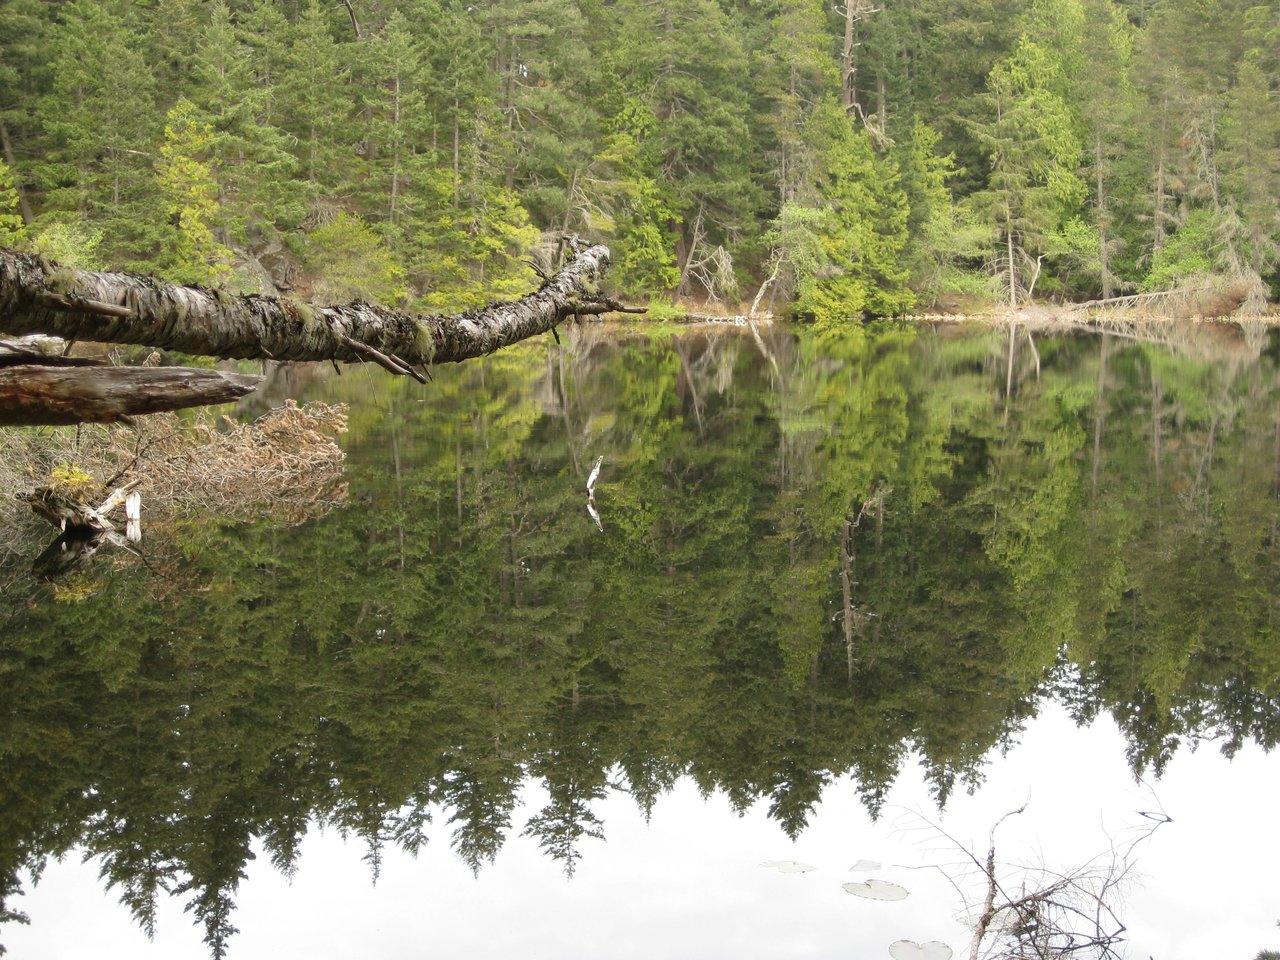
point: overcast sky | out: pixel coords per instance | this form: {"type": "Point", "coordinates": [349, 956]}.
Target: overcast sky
{"type": "Point", "coordinates": [690, 884]}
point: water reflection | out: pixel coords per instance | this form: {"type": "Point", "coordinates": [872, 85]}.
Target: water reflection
{"type": "Point", "coordinates": [817, 558]}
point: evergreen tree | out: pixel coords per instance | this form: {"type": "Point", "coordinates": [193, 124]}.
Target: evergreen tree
{"type": "Point", "coordinates": [314, 100]}
{"type": "Point", "coordinates": [638, 207]}
{"type": "Point", "coordinates": [1251, 166]}
{"type": "Point", "coordinates": [865, 229]}
{"type": "Point", "coordinates": [353, 263]}
{"type": "Point", "coordinates": [101, 119]}
{"type": "Point", "coordinates": [191, 199]}
{"type": "Point", "coordinates": [252, 168]}
{"type": "Point", "coordinates": [398, 111]}
{"type": "Point", "coordinates": [793, 70]}
{"type": "Point", "coordinates": [547, 91]}
{"type": "Point", "coordinates": [1103, 96]}
{"type": "Point", "coordinates": [1035, 151]}
{"type": "Point", "coordinates": [684, 62]}
{"type": "Point", "coordinates": [945, 243]}
{"type": "Point", "coordinates": [24, 25]}
{"type": "Point", "coordinates": [12, 229]}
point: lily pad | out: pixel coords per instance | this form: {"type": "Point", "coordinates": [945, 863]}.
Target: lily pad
{"type": "Point", "coordinates": [788, 866]}
{"type": "Point", "coordinates": [910, 950]}
{"type": "Point", "coordinates": [864, 865]}
{"type": "Point", "coordinates": [876, 890]}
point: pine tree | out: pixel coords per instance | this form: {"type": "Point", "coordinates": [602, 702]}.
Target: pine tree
{"type": "Point", "coordinates": [102, 121]}
{"type": "Point", "coordinates": [943, 239]}
{"type": "Point", "coordinates": [352, 262]}
{"type": "Point", "coordinates": [1251, 165]}
{"type": "Point", "coordinates": [249, 158]}
{"type": "Point", "coordinates": [685, 63]}
{"type": "Point", "coordinates": [24, 25]}
{"type": "Point", "coordinates": [191, 199]}
{"type": "Point", "coordinates": [1105, 100]}
{"type": "Point", "coordinates": [865, 229]}
{"type": "Point", "coordinates": [1035, 151]}
{"type": "Point", "coordinates": [12, 228]}
{"type": "Point", "coordinates": [546, 98]}
{"type": "Point", "coordinates": [626, 170]}
{"type": "Point", "coordinates": [792, 70]}
{"type": "Point", "coordinates": [314, 101]}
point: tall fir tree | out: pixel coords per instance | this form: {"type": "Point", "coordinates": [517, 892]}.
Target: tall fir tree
{"type": "Point", "coordinates": [1035, 151]}
{"type": "Point", "coordinates": [1251, 167]}
{"type": "Point", "coordinates": [253, 168]}
{"type": "Point", "coordinates": [102, 121]}
{"type": "Point", "coordinates": [864, 233]}
{"type": "Point", "coordinates": [12, 227]}
{"type": "Point", "coordinates": [191, 199]}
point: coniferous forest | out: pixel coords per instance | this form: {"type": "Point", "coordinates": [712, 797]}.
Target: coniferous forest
{"type": "Point", "coordinates": [851, 159]}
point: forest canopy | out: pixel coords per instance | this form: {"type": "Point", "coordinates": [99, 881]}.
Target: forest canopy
{"type": "Point", "coordinates": [870, 160]}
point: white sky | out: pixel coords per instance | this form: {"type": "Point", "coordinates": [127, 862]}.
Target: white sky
{"type": "Point", "coordinates": [690, 885]}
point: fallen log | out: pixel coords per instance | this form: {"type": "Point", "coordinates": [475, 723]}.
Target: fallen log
{"type": "Point", "coordinates": [38, 395]}
{"type": "Point", "coordinates": [37, 296]}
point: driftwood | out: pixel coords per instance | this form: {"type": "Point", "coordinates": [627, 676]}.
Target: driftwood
{"type": "Point", "coordinates": [84, 529]}
{"type": "Point", "coordinates": [33, 395]}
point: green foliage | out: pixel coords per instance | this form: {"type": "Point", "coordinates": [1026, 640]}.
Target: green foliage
{"type": "Point", "coordinates": [72, 243]}
{"type": "Point", "coordinates": [100, 118]}
{"type": "Point", "coordinates": [944, 239]}
{"type": "Point", "coordinates": [1074, 248]}
{"type": "Point", "coordinates": [191, 198]}
{"type": "Point", "coordinates": [1196, 250]}
{"type": "Point", "coordinates": [677, 134]}
{"type": "Point", "coordinates": [12, 229]}
{"type": "Point", "coordinates": [465, 255]}
{"type": "Point", "coordinates": [353, 263]}
{"type": "Point", "coordinates": [1035, 153]}
{"type": "Point", "coordinates": [661, 311]}
{"type": "Point", "coordinates": [641, 211]}
{"type": "Point", "coordinates": [864, 229]}
{"type": "Point", "coordinates": [1251, 165]}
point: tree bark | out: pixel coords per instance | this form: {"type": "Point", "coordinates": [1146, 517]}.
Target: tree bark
{"type": "Point", "coordinates": [39, 297]}
{"type": "Point", "coordinates": [32, 395]}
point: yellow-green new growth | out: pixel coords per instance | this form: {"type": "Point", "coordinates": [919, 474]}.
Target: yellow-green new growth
{"type": "Point", "coordinates": [191, 194]}
{"type": "Point", "coordinates": [12, 229]}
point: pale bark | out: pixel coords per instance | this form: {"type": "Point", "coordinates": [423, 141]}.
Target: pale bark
{"type": "Point", "coordinates": [39, 297]}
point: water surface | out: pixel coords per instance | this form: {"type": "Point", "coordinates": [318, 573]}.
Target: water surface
{"type": "Point", "coordinates": [821, 569]}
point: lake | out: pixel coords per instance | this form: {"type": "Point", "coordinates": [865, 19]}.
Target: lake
{"type": "Point", "coordinates": [835, 603]}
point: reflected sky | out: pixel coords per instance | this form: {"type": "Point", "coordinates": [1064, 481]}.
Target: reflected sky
{"type": "Point", "coordinates": [689, 882]}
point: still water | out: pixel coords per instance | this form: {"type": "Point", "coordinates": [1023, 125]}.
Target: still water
{"type": "Point", "coordinates": [845, 600]}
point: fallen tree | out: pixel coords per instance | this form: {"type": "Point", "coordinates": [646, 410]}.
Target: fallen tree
{"type": "Point", "coordinates": [40, 297]}
{"type": "Point", "coordinates": [41, 395]}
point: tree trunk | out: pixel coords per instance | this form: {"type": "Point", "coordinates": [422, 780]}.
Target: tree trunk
{"type": "Point", "coordinates": [1104, 221]}
{"type": "Point", "coordinates": [39, 297]}
{"type": "Point", "coordinates": [33, 395]}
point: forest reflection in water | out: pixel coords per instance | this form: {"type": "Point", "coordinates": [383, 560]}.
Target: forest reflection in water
{"type": "Point", "coordinates": [818, 559]}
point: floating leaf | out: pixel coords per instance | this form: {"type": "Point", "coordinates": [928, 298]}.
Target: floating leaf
{"type": "Point", "coordinates": [910, 950]}
{"type": "Point", "coordinates": [864, 865]}
{"type": "Point", "coordinates": [876, 890]}
{"type": "Point", "coordinates": [788, 866]}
